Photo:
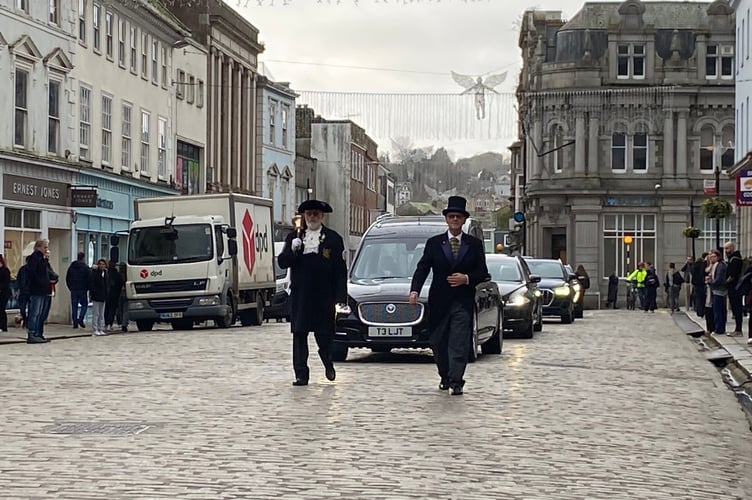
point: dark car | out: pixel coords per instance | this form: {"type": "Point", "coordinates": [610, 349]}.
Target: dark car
{"type": "Point", "coordinates": [523, 307]}
{"type": "Point", "coordinates": [378, 315]}
{"type": "Point", "coordinates": [557, 291]}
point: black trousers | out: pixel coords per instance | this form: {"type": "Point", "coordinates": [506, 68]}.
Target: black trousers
{"type": "Point", "coordinates": [324, 340]}
{"type": "Point", "coordinates": [735, 300]}
{"type": "Point", "coordinates": [4, 297]}
{"type": "Point", "coordinates": [450, 343]}
{"type": "Point", "coordinates": [709, 319]}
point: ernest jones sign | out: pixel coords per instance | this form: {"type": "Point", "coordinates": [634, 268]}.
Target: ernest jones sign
{"type": "Point", "coordinates": [35, 190]}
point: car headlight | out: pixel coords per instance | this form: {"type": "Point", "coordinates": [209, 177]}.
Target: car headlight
{"type": "Point", "coordinates": [537, 293]}
{"type": "Point", "coordinates": [561, 291]}
{"type": "Point", "coordinates": [136, 304]}
{"type": "Point", "coordinates": [517, 299]}
{"type": "Point", "coordinates": [343, 309]}
{"type": "Point", "coordinates": [212, 300]}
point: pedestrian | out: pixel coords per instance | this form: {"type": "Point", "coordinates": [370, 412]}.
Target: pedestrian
{"type": "Point", "coordinates": [716, 280]}
{"type": "Point", "coordinates": [5, 293]}
{"type": "Point", "coordinates": [733, 274]}
{"type": "Point", "coordinates": [98, 287]}
{"type": "Point", "coordinates": [22, 282]}
{"type": "Point", "coordinates": [699, 287]}
{"type": "Point", "coordinates": [52, 280]}
{"type": "Point", "coordinates": [122, 314]}
{"type": "Point", "coordinates": [672, 284]}
{"type": "Point", "coordinates": [114, 288]}
{"type": "Point", "coordinates": [315, 255]}
{"type": "Point", "coordinates": [638, 278]}
{"type": "Point", "coordinates": [744, 287]}
{"type": "Point", "coordinates": [583, 277]}
{"type": "Point", "coordinates": [651, 290]}
{"type": "Point", "coordinates": [708, 297]}
{"type": "Point", "coordinates": [77, 279]}
{"type": "Point", "coordinates": [687, 276]}
{"type": "Point", "coordinates": [39, 289]}
{"type": "Point", "coordinates": [458, 263]}
{"type": "Point", "coordinates": [613, 290]}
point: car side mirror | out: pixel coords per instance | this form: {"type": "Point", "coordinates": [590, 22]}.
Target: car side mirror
{"type": "Point", "coordinates": [232, 247]}
{"type": "Point", "coordinates": [534, 278]}
{"type": "Point", "coordinates": [572, 277]}
{"type": "Point", "coordinates": [232, 233]}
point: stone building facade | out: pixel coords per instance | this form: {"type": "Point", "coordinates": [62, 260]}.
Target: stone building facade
{"type": "Point", "coordinates": [626, 118]}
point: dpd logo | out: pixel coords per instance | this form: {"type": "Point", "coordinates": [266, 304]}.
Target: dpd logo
{"type": "Point", "coordinates": [144, 273]}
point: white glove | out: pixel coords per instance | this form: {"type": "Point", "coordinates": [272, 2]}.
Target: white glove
{"type": "Point", "coordinates": [296, 244]}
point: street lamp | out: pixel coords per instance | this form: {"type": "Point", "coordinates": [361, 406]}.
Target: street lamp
{"type": "Point", "coordinates": [628, 241]}
{"type": "Point", "coordinates": [309, 189]}
{"type": "Point", "coordinates": [717, 173]}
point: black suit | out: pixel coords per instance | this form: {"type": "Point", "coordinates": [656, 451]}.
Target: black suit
{"type": "Point", "coordinates": [451, 309]}
{"type": "Point", "coordinates": [318, 281]}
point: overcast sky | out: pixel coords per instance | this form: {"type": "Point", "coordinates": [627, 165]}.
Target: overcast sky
{"type": "Point", "coordinates": [424, 39]}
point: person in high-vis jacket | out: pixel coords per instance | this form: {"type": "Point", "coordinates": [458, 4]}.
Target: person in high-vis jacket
{"type": "Point", "coordinates": [638, 277]}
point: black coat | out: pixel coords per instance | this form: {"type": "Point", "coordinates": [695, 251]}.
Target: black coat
{"type": "Point", "coordinates": [77, 278]}
{"type": "Point", "coordinates": [37, 274]}
{"type": "Point", "coordinates": [613, 288]}
{"type": "Point", "coordinates": [318, 281]}
{"type": "Point", "coordinates": [677, 277]}
{"type": "Point", "coordinates": [437, 256]}
{"type": "Point", "coordinates": [99, 285]}
{"type": "Point", "coordinates": [4, 281]}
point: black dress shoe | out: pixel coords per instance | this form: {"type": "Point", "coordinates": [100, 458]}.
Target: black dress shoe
{"type": "Point", "coordinates": [443, 385]}
{"type": "Point", "coordinates": [81, 324]}
{"type": "Point", "coordinates": [299, 381]}
{"type": "Point", "coordinates": [330, 373]}
{"type": "Point", "coordinates": [36, 340]}
{"type": "Point", "coordinates": [456, 390]}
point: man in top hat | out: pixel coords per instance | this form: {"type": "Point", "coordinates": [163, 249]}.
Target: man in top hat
{"type": "Point", "coordinates": [458, 261]}
{"type": "Point", "coordinates": [318, 282]}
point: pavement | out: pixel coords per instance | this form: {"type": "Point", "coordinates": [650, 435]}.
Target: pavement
{"type": "Point", "coordinates": [598, 410]}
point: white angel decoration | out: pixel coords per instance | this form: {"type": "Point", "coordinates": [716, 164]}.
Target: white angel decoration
{"type": "Point", "coordinates": [479, 88]}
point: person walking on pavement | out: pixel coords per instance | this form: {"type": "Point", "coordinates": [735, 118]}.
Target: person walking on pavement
{"type": "Point", "coordinates": [716, 280]}
{"type": "Point", "coordinates": [39, 288]}
{"type": "Point", "coordinates": [77, 279]}
{"type": "Point", "coordinates": [651, 290]}
{"type": "Point", "coordinates": [315, 256]}
{"type": "Point", "coordinates": [4, 293]}
{"type": "Point", "coordinates": [699, 287]}
{"type": "Point", "coordinates": [638, 278]}
{"type": "Point", "coordinates": [458, 263]}
{"type": "Point", "coordinates": [53, 279]}
{"type": "Point", "coordinates": [613, 290]}
{"type": "Point", "coordinates": [22, 281]}
{"type": "Point", "coordinates": [733, 274]}
{"type": "Point", "coordinates": [686, 271]}
{"type": "Point", "coordinates": [98, 288]}
{"type": "Point", "coordinates": [114, 288]}
{"type": "Point", "coordinates": [673, 284]}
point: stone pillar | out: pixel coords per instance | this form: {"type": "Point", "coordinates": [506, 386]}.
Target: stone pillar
{"type": "Point", "coordinates": [537, 140]}
{"type": "Point", "coordinates": [579, 145]}
{"type": "Point", "coordinates": [681, 146]}
{"type": "Point", "coordinates": [593, 146]}
{"type": "Point", "coordinates": [237, 133]}
{"type": "Point", "coordinates": [669, 169]}
{"type": "Point", "coordinates": [214, 111]}
{"type": "Point", "coordinates": [222, 129]}
{"type": "Point", "coordinates": [248, 137]}
{"type": "Point", "coordinates": [229, 102]}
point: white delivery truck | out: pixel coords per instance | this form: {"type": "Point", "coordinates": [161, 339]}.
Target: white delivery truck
{"type": "Point", "coordinates": [200, 257]}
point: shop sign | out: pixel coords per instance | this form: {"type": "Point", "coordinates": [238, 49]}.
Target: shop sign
{"type": "Point", "coordinates": [104, 203]}
{"type": "Point", "coordinates": [83, 197]}
{"type": "Point", "coordinates": [744, 187]}
{"type": "Point", "coordinates": [34, 190]}
{"type": "Point", "coordinates": [628, 201]}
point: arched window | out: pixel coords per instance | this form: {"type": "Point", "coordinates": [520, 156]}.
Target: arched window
{"type": "Point", "coordinates": [707, 148]}
{"type": "Point", "coordinates": [557, 141]}
{"type": "Point", "coordinates": [727, 147]}
{"type": "Point", "coordinates": [640, 149]}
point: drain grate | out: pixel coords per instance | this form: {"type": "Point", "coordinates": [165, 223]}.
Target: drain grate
{"type": "Point", "coordinates": [97, 428]}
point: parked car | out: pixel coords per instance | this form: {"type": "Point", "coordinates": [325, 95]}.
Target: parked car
{"type": "Point", "coordinates": [523, 306]}
{"type": "Point", "coordinates": [557, 292]}
{"type": "Point", "coordinates": [579, 291]}
{"type": "Point", "coordinates": [279, 306]}
{"type": "Point", "coordinates": [378, 315]}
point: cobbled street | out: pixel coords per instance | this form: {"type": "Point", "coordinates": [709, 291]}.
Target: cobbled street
{"type": "Point", "coordinates": [618, 405]}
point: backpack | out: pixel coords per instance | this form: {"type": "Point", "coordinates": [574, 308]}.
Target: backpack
{"type": "Point", "coordinates": [651, 280]}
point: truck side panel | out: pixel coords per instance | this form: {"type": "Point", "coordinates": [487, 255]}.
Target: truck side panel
{"type": "Point", "coordinates": [255, 245]}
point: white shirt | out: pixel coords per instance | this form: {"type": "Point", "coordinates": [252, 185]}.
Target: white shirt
{"type": "Point", "coordinates": [311, 241]}
{"type": "Point", "coordinates": [459, 236]}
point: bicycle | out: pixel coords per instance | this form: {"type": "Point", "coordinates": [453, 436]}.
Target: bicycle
{"type": "Point", "coordinates": [631, 295]}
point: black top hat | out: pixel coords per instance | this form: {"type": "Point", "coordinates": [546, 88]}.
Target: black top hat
{"type": "Point", "coordinates": [456, 204]}
{"type": "Point", "coordinates": [315, 205]}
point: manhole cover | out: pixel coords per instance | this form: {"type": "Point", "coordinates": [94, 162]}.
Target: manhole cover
{"type": "Point", "coordinates": [97, 428]}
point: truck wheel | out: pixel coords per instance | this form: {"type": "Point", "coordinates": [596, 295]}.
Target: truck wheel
{"type": "Point", "coordinates": [253, 317]}
{"type": "Point", "coordinates": [144, 325]}
{"type": "Point", "coordinates": [182, 324]}
{"type": "Point", "coordinates": [228, 319]}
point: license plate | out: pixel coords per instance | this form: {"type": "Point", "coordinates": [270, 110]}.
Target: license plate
{"type": "Point", "coordinates": [391, 331]}
{"type": "Point", "coordinates": [170, 315]}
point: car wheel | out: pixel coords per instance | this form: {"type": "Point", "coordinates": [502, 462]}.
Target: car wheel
{"type": "Point", "coordinates": [568, 317]}
{"type": "Point", "coordinates": [494, 344]}
{"type": "Point", "coordinates": [538, 325]}
{"type": "Point", "coordinates": [339, 351]}
{"type": "Point", "coordinates": [578, 310]}
{"type": "Point", "coordinates": [527, 331]}
{"type": "Point", "coordinates": [472, 355]}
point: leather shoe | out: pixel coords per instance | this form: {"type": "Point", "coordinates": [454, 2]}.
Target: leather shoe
{"type": "Point", "coordinates": [443, 385]}
{"type": "Point", "coordinates": [330, 373]}
{"type": "Point", "coordinates": [299, 381]}
{"type": "Point", "coordinates": [36, 340]}
{"type": "Point", "coordinates": [456, 390]}
{"type": "Point", "coordinates": [81, 324]}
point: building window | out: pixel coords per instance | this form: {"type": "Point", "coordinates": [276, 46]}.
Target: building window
{"type": "Point", "coordinates": [727, 148]}
{"type": "Point", "coordinates": [125, 143]}
{"type": "Point", "coordinates": [188, 171]}
{"type": "Point", "coordinates": [122, 34]}
{"type": "Point", "coordinates": [707, 147]}
{"type": "Point", "coordinates": [108, 32]}
{"type": "Point", "coordinates": [272, 117]}
{"type": "Point", "coordinates": [716, 150]}
{"type": "Point", "coordinates": [640, 152]}
{"type": "Point", "coordinates": [134, 50]}
{"type": "Point", "coordinates": [630, 61]}
{"type": "Point", "coordinates": [619, 151]}
{"type": "Point", "coordinates": [164, 67]}
{"type": "Point", "coordinates": [21, 120]}
{"type": "Point", "coordinates": [84, 139]}
{"type": "Point", "coordinates": [145, 131]}
{"type": "Point", "coordinates": [641, 227]}
{"type": "Point", "coordinates": [144, 55]}
{"type": "Point", "coordinates": [180, 88]}
{"type": "Point", "coordinates": [54, 11]}
{"type": "Point", "coordinates": [557, 154]}
{"type": "Point", "coordinates": [155, 61]}
{"type": "Point", "coordinates": [162, 147]}
{"type": "Point", "coordinates": [22, 226]}
{"type": "Point", "coordinates": [96, 16]}
{"type": "Point", "coordinates": [726, 227]}
{"type": "Point", "coordinates": [106, 129]}
{"type": "Point", "coordinates": [200, 94]}
{"type": "Point", "coordinates": [82, 20]}
{"type": "Point", "coordinates": [23, 5]}
{"type": "Point", "coordinates": [285, 118]}
{"type": "Point", "coordinates": [191, 90]}
{"type": "Point", "coordinates": [719, 62]}
{"type": "Point", "coordinates": [53, 117]}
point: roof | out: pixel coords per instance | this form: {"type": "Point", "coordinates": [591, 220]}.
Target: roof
{"type": "Point", "coordinates": [658, 15]}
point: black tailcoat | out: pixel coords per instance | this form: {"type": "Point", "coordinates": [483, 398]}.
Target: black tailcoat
{"type": "Point", "coordinates": [437, 256]}
{"type": "Point", "coordinates": [318, 281]}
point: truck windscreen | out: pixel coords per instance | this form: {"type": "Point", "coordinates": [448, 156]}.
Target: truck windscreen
{"type": "Point", "coordinates": [171, 244]}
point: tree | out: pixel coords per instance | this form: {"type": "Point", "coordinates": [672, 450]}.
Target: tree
{"type": "Point", "coordinates": [502, 217]}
